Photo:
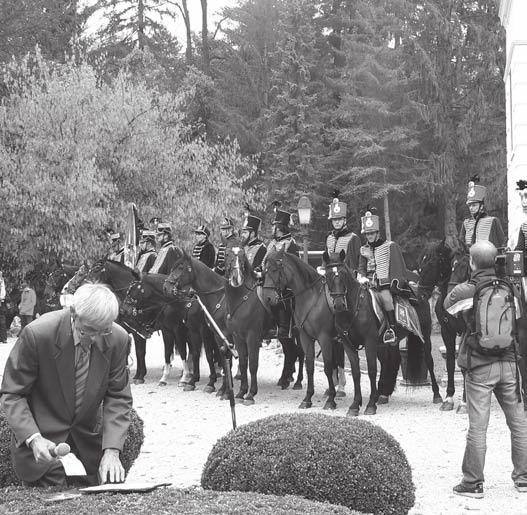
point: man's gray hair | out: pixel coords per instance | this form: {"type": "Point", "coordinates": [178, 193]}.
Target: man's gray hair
{"type": "Point", "coordinates": [483, 254]}
{"type": "Point", "coordinates": [96, 304]}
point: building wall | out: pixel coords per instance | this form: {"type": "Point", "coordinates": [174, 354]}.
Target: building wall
{"type": "Point", "coordinates": [513, 14]}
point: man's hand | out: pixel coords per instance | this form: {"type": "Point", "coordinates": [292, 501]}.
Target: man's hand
{"type": "Point", "coordinates": [41, 447]}
{"type": "Point", "coordinates": [110, 468]}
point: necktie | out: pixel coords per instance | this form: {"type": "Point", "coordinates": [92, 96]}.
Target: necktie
{"type": "Point", "coordinates": [81, 373]}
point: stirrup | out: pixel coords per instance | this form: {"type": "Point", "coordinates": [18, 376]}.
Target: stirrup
{"type": "Point", "coordinates": [389, 336]}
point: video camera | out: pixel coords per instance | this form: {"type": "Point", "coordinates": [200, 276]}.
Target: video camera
{"type": "Point", "coordinates": [510, 264]}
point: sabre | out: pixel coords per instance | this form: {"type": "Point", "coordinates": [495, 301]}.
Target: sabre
{"type": "Point", "coordinates": [227, 363]}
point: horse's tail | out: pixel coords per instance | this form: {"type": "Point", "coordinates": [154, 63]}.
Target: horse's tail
{"type": "Point", "coordinates": [414, 367]}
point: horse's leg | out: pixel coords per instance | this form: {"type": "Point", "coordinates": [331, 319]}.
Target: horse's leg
{"type": "Point", "coordinates": [449, 339]}
{"type": "Point", "coordinates": [353, 356]}
{"type": "Point", "coordinates": [341, 373]}
{"type": "Point", "coordinates": [328, 353]}
{"type": "Point", "coordinates": [300, 355]}
{"type": "Point", "coordinates": [241, 346]}
{"type": "Point", "coordinates": [308, 345]}
{"type": "Point", "coordinates": [168, 342]}
{"type": "Point", "coordinates": [288, 347]}
{"type": "Point", "coordinates": [209, 344]}
{"type": "Point", "coordinates": [140, 356]}
{"type": "Point", "coordinates": [370, 348]}
{"type": "Point", "coordinates": [430, 366]}
{"type": "Point", "coordinates": [253, 347]}
{"type": "Point", "coordinates": [194, 343]}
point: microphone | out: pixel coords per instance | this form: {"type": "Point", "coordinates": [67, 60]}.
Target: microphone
{"type": "Point", "coordinates": [60, 450]}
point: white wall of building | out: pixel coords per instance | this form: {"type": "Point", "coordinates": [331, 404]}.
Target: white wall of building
{"type": "Point", "coordinates": [513, 14]}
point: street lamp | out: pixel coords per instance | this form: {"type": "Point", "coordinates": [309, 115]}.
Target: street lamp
{"type": "Point", "coordinates": [304, 217]}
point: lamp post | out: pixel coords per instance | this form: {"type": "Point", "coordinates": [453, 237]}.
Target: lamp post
{"type": "Point", "coordinates": [304, 217]}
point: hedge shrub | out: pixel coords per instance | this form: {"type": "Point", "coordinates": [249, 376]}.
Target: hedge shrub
{"type": "Point", "coordinates": [192, 501]}
{"type": "Point", "coordinates": [324, 458]}
{"type": "Point", "coordinates": [131, 449]}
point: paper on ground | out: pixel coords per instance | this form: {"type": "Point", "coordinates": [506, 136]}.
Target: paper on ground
{"type": "Point", "coordinates": [72, 465]}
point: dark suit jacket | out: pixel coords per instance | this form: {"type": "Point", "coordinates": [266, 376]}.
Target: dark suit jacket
{"type": "Point", "coordinates": [38, 390]}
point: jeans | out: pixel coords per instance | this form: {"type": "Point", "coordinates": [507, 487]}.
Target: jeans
{"type": "Point", "coordinates": [498, 377]}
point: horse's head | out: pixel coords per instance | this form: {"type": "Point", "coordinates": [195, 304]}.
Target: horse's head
{"type": "Point", "coordinates": [79, 278]}
{"type": "Point", "coordinates": [236, 266]}
{"type": "Point", "coordinates": [275, 280]}
{"type": "Point", "coordinates": [337, 275]}
{"type": "Point", "coordinates": [55, 282]}
{"type": "Point", "coordinates": [434, 264]}
{"type": "Point", "coordinates": [180, 277]}
{"type": "Point", "coordinates": [460, 268]}
{"type": "Point", "coordinates": [135, 309]}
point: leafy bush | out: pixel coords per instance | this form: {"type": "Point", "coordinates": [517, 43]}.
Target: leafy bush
{"type": "Point", "coordinates": [132, 447]}
{"type": "Point", "coordinates": [339, 460]}
{"type": "Point", "coordinates": [170, 500]}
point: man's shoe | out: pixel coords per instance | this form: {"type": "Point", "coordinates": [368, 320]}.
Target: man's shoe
{"type": "Point", "coordinates": [521, 486]}
{"type": "Point", "coordinates": [474, 491]}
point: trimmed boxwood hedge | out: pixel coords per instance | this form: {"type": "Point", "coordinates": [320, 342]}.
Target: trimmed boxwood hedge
{"type": "Point", "coordinates": [192, 501]}
{"type": "Point", "coordinates": [132, 448]}
{"type": "Point", "coordinates": [340, 460]}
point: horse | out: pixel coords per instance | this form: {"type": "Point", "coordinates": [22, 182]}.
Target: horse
{"type": "Point", "coordinates": [248, 319]}
{"type": "Point", "coordinates": [313, 316]}
{"type": "Point", "coordinates": [441, 266]}
{"type": "Point", "coordinates": [55, 282]}
{"type": "Point", "coordinates": [356, 322]}
{"type": "Point", "coordinates": [149, 307]}
{"type": "Point", "coordinates": [189, 273]}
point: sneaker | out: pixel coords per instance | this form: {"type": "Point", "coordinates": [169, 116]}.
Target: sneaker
{"type": "Point", "coordinates": [474, 491]}
{"type": "Point", "coordinates": [521, 486]}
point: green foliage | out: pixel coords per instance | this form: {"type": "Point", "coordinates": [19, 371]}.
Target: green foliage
{"type": "Point", "coordinates": [338, 460]}
{"type": "Point", "coordinates": [74, 152]}
{"type": "Point", "coordinates": [190, 501]}
{"type": "Point", "coordinates": [131, 449]}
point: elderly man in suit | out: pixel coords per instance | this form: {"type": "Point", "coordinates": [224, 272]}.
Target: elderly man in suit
{"type": "Point", "coordinates": [66, 380]}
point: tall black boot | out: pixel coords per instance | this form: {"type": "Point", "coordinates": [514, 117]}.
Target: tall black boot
{"type": "Point", "coordinates": [389, 334]}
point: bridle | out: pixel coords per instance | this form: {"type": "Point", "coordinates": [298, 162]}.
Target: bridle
{"type": "Point", "coordinates": [334, 269]}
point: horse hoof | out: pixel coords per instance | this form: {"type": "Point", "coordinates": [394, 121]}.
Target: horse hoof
{"type": "Point", "coordinates": [285, 386]}
{"type": "Point", "coordinates": [238, 400]}
{"type": "Point", "coordinates": [189, 388]}
{"type": "Point", "coordinates": [383, 399]}
{"type": "Point", "coordinates": [437, 399]}
{"type": "Point", "coordinates": [297, 386]}
{"type": "Point", "coordinates": [461, 409]}
{"type": "Point", "coordinates": [238, 377]}
{"type": "Point", "coordinates": [162, 383]}
{"type": "Point", "coordinates": [181, 384]}
{"type": "Point", "coordinates": [225, 397]}
{"type": "Point", "coordinates": [330, 405]}
{"type": "Point", "coordinates": [219, 393]}
{"type": "Point", "coordinates": [248, 402]}
{"type": "Point", "coordinates": [446, 406]}
{"type": "Point", "coordinates": [340, 394]}
{"type": "Point", "coordinates": [209, 389]}
{"type": "Point", "coordinates": [281, 382]}
{"type": "Point", "coordinates": [370, 410]}
{"type": "Point", "coordinates": [353, 412]}
{"type": "Point", "coordinates": [139, 381]}
{"type": "Point", "coordinates": [305, 404]}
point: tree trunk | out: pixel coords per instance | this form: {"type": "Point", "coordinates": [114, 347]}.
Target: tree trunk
{"type": "Point", "coordinates": [205, 37]}
{"type": "Point", "coordinates": [186, 19]}
{"type": "Point", "coordinates": [141, 24]}
{"type": "Point", "coordinates": [449, 210]}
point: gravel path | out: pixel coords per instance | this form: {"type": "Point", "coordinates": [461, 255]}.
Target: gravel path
{"type": "Point", "coordinates": [181, 428]}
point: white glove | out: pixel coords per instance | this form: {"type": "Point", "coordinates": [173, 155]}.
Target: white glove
{"type": "Point", "coordinates": [321, 270]}
{"type": "Point", "coordinates": [362, 279]}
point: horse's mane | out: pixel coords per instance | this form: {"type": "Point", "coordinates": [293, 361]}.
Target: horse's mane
{"type": "Point", "coordinates": [306, 272]}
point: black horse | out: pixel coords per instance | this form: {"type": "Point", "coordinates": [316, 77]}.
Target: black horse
{"type": "Point", "coordinates": [357, 324]}
{"type": "Point", "coordinates": [55, 282]}
{"type": "Point", "coordinates": [445, 267]}
{"type": "Point", "coordinates": [146, 307]}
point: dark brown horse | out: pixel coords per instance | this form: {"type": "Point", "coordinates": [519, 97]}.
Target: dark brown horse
{"type": "Point", "coordinates": [313, 315]}
{"type": "Point", "coordinates": [444, 267]}
{"type": "Point", "coordinates": [55, 282]}
{"type": "Point", "coordinates": [147, 308]}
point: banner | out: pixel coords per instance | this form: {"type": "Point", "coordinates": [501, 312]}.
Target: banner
{"type": "Point", "coordinates": [131, 250]}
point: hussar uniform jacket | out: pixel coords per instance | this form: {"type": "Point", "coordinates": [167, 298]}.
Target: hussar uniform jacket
{"type": "Point", "coordinates": [146, 261]}
{"type": "Point", "coordinates": [255, 251]}
{"type": "Point", "coordinates": [349, 242]}
{"type": "Point", "coordinates": [286, 242]}
{"type": "Point", "coordinates": [522, 238]}
{"type": "Point", "coordinates": [382, 261]}
{"type": "Point", "coordinates": [167, 255]}
{"type": "Point", "coordinates": [205, 252]}
{"type": "Point", "coordinates": [231, 241]}
{"type": "Point", "coordinates": [482, 228]}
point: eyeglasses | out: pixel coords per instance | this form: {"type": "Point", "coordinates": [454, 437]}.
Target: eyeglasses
{"type": "Point", "coordinates": [89, 332]}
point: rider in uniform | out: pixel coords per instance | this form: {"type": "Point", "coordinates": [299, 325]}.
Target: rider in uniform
{"type": "Point", "coordinates": [253, 246]}
{"type": "Point", "coordinates": [382, 265]}
{"type": "Point", "coordinates": [147, 246]}
{"type": "Point", "coordinates": [116, 252]}
{"type": "Point", "coordinates": [228, 240]}
{"type": "Point", "coordinates": [522, 234]}
{"type": "Point", "coordinates": [203, 249]}
{"type": "Point", "coordinates": [341, 237]}
{"type": "Point", "coordinates": [480, 226]}
{"type": "Point", "coordinates": [167, 253]}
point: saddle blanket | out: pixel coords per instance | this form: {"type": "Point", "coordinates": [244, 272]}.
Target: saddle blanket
{"type": "Point", "coordinates": [405, 314]}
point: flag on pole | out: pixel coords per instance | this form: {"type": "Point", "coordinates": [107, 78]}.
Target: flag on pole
{"type": "Point", "coordinates": [131, 236]}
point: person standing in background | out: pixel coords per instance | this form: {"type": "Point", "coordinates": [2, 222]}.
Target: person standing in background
{"type": "Point", "coordinates": [3, 309]}
{"type": "Point", "coordinates": [26, 308]}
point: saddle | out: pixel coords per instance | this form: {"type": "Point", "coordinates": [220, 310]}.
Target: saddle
{"type": "Point", "coordinates": [405, 314]}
